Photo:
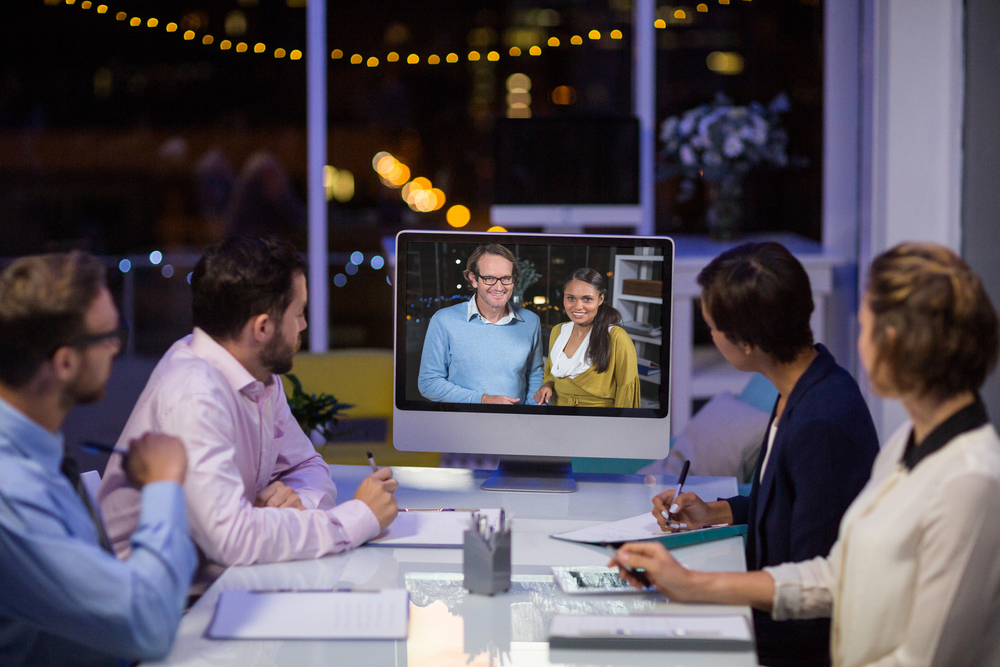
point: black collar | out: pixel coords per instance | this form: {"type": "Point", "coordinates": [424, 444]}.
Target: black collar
{"type": "Point", "coordinates": [968, 418]}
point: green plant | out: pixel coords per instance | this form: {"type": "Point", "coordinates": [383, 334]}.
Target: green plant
{"type": "Point", "coordinates": [314, 412]}
{"type": "Point", "coordinates": [529, 276]}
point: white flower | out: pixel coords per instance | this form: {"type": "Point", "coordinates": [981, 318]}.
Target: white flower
{"type": "Point", "coordinates": [687, 124]}
{"type": "Point", "coordinates": [733, 146]}
{"type": "Point", "coordinates": [688, 158]}
{"type": "Point", "coordinates": [668, 127]}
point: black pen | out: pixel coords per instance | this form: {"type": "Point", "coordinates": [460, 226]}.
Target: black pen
{"type": "Point", "coordinates": [371, 461]}
{"type": "Point", "coordinates": [638, 575]}
{"type": "Point", "coordinates": [677, 491]}
{"type": "Point", "coordinates": [93, 446]}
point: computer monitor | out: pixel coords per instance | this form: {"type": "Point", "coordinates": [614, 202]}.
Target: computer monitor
{"type": "Point", "coordinates": [534, 441]}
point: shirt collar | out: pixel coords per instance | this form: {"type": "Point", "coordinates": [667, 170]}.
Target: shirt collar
{"type": "Point", "coordinates": [238, 377]}
{"type": "Point", "coordinates": [474, 312]}
{"type": "Point", "coordinates": [29, 437]}
{"type": "Point", "coordinates": [968, 418]}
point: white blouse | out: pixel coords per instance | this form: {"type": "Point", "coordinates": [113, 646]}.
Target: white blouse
{"type": "Point", "coordinates": [914, 577]}
{"type": "Point", "coordinates": [569, 367]}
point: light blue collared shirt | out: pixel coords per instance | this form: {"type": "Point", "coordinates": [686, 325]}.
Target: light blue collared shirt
{"type": "Point", "coordinates": [64, 600]}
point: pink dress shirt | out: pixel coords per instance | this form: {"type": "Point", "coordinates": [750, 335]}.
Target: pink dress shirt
{"type": "Point", "coordinates": [240, 437]}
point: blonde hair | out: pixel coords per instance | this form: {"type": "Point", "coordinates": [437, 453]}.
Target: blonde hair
{"type": "Point", "coordinates": [935, 330]}
{"type": "Point", "coordinates": [43, 301]}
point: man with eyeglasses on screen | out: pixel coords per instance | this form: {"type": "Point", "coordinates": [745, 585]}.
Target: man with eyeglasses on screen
{"type": "Point", "coordinates": [486, 350]}
{"type": "Point", "coordinates": [66, 599]}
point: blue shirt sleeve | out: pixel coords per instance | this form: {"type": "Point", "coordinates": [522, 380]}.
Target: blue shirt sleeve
{"type": "Point", "coordinates": [71, 588]}
{"type": "Point", "coordinates": [433, 378]}
{"type": "Point", "coordinates": [536, 369]}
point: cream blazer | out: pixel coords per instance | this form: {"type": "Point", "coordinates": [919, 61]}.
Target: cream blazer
{"type": "Point", "coordinates": [914, 577]}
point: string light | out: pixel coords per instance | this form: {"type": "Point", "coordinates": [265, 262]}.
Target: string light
{"type": "Point", "coordinates": [433, 60]}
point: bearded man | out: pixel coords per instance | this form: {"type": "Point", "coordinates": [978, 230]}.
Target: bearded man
{"type": "Point", "coordinates": [256, 489]}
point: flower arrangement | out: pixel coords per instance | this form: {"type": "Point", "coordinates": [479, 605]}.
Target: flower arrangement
{"type": "Point", "coordinates": [720, 143]}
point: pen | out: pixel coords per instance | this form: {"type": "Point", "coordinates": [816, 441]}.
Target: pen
{"type": "Point", "coordinates": [371, 461]}
{"type": "Point", "coordinates": [638, 575]}
{"type": "Point", "coordinates": [677, 491]}
{"type": "Point", "coordinates": [434, 509]}
{"type": "Point", "coordinates": [94, 446]}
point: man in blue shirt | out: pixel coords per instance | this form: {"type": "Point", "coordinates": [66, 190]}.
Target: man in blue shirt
{"type": "Point", "coordinates": [486, 350]}
{"type": "Point", "coordinates": [66, 599]}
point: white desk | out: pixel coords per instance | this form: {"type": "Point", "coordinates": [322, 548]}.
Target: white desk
{"type": "Point", "coordinates": [448, 625]}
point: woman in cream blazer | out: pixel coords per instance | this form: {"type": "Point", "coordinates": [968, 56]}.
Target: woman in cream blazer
{"type": "Point", "coordinates": [913, 578]}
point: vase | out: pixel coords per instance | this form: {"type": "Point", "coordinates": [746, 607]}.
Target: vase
{"type": "Point", "coordinates": [724, 208]}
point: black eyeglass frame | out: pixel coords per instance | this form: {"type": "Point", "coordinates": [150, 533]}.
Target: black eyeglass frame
{"type": "Point", "coordinates": [492, 280]}
{"type": "Point", "coordinates": [89, 340]}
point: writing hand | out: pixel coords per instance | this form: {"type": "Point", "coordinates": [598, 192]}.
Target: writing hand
{"type": "Point", "coordinates": [376, 491]}
{"type": "Point", "coordinates": [277, 494]}
{"type": "Point", "coordinates": [662, 569]}
{"type": "Point", "coordinates": [687, 512]}
{"type": "Point", "coordinates": [499, 400]}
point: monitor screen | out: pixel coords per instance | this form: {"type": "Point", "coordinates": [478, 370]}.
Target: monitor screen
{"type": "Point", "coordinates": [466, 383]}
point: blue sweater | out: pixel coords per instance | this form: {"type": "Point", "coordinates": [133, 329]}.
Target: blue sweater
{"type": "Point", "coordinates": [465, 358]}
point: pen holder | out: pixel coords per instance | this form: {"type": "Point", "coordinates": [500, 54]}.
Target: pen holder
{"type": "Point", "coordinates": [487, 571]}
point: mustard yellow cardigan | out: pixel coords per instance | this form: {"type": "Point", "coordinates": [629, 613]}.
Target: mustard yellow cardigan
{"type": "Point", "coordinates": [617, 387]}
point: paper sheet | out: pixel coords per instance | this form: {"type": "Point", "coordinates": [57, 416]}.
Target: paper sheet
{"type": "Point", "coordinates": [243, 614]}
{"type": "Point", "coordinates": [431, 529]}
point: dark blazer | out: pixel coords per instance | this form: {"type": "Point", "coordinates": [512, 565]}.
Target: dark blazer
{"type": "Point", "coordinates": [821, 458]}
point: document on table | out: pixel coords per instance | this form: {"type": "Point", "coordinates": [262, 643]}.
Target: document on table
{"type": "Point", "coordinates": [417, 528]}
{"type": "Point", "coordinates": [644, 527]}
{"type": "Point", "coordinates": [659, 632]}
{"type": "Point", "coordinates": [241, 614]}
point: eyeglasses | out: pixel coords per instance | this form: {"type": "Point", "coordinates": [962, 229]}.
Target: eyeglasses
{"type": "Point", "coordinates": [492, 280]}
{"type": "Point", "coordinates": [120, 334]}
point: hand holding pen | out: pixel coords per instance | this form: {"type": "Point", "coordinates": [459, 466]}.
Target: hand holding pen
{"type": "Point", "coordinates": [376, 491]}
{"type": "Point", "coordinates": [675, 510]}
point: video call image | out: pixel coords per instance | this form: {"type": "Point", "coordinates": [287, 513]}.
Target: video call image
{"type": "Point", "coordinates": [530, 327]}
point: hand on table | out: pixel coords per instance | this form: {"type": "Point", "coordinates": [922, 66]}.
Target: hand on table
{"type": "Point", "coordinates": [376, 491]}
{"type": "Point", "coordinates": [278, 495]}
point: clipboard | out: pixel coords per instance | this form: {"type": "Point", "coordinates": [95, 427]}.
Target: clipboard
{"type": "Point", "coordinates": [643, 528]}
{"type": "Point", "coordinates": [651, 632]}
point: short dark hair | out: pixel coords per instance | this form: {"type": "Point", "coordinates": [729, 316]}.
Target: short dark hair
{"type": "Point", "coordinates": [239, 278]}
{"type": "Point", "coordinates": [43, 302]}
{"type": "Point", "coordinates": [472, 266]}
{"type": "Point", "coordinates": [758, 293]}
{"type": "Point", "coordinates": [945, 338]}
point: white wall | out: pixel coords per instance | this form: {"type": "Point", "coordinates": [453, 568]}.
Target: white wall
{"type": "Point", "coordinates": [912, 106]}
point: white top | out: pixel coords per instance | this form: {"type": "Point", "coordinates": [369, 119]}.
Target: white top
{"type": "Point", "coordinates": [240, 437]}
{"type": "Point", "coordinates": [767, 454]}
{"type": "Point", "coordinates": [569, 367]}
{"type": "Point", "coordinates": [914, 577]}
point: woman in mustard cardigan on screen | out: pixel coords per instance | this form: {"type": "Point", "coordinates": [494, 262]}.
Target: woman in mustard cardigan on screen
{"type": "Point", "coordinates": [591, 361]}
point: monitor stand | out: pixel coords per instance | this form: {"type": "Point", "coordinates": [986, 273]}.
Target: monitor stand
{"type": "Point", "coordinates": [532, 473]}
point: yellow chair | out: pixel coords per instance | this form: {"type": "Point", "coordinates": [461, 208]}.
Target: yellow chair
{"type": "Point", "coordinates": [363, 378]}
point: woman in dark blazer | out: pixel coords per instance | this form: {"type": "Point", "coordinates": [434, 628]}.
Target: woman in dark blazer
{"type": "Point", "coordinates": [820, 444]}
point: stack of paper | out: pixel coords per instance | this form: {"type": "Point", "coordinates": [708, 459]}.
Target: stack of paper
{"type": "Point", "coordinates": [310, 615]}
